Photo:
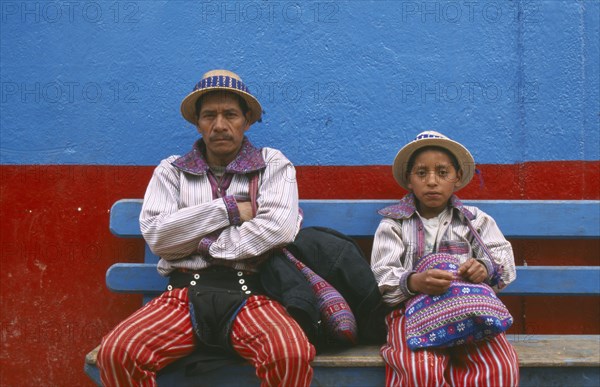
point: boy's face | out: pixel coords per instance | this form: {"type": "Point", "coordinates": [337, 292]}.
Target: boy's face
{"type": "Point", "coordinates": [433, 180]}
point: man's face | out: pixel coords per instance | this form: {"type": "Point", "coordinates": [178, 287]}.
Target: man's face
{"type": "Point", "coordinates": [222, 125]}
{"type": "Point", "coordinates": [433, 180]}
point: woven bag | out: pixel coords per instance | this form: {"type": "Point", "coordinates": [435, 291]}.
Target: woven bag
{"type": "Point", "coordinates": [465, 313]}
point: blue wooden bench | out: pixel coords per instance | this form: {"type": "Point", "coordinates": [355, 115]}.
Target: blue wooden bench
{"type": "Point", "coordinates": [546, 360]}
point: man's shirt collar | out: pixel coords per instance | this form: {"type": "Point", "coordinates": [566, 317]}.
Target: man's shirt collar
{"type": "Point", "coordinates": [249, 159]}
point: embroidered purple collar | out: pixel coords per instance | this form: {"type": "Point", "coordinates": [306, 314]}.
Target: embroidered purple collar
{"type": "Point", "coordinates": [407, 208]}
{"type": "Point", "coordinates": [249, 159]}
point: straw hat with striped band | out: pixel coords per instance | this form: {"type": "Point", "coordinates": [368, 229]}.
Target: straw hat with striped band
{"type": "Point", "coordinates": [431, 138]}
{"type": "Point", "coordinates": [215, 80]}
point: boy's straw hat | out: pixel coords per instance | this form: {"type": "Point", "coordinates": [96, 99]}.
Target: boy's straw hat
{"type": "Point", "coordinates": [431, 138]}
{"type": "Point", "coordinates": [220, 80]}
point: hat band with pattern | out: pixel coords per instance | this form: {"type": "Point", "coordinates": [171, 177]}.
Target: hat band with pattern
{"type": "Point", "coordinates": [428, 135]}
{"type": "Point", "coordinates": [221, 81]}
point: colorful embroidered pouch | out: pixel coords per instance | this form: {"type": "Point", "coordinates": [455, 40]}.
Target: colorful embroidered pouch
{"type": "Point", "coordinates": [335, 311]}
{"type": "Point", "coordinates": [466, 313]}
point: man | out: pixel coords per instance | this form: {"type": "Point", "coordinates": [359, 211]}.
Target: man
{"type": "Point", "coordinates": [198, 217]}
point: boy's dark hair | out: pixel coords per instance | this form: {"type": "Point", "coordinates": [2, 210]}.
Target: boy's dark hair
{"type": "Point", "coordinates": [415, 154]}
{"type": "Point", "coordinates": [242, 102]}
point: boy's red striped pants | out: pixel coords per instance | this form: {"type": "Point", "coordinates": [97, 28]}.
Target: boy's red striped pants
{"type": "Point", "coordinates": [161, 332]}
{"type": "Point", "coordinates": [489, 363]}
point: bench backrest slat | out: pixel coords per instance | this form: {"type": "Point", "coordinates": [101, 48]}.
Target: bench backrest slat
{"type": "Point", "coordinates": [516, 218]}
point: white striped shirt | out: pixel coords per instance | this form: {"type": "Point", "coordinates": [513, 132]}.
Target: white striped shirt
{"type": "Point", "coordinates": [181, 221]}
{"type": "Point", "coordinates": [399, 242]}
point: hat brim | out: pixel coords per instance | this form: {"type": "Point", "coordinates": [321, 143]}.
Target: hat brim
{"type": "Point", "coordinates": [188, 105]}
{"type": "Point", "coordinates": [464, 157]}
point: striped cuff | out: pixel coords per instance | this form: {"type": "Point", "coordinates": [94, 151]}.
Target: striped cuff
{"type": "Point", "coordinates": [232, 210]}
{"type": "Point", "coordinates": [404, 284]}
{"type": "Point", "coordinates": [206, 242]}
{"type": "Point", "coordinates": [495, 272]}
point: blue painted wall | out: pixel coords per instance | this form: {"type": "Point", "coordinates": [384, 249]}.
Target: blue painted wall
{"type": "Point", "coordinates": [342, 83]}
{"type": "Point", "coordinates": [345, 83]}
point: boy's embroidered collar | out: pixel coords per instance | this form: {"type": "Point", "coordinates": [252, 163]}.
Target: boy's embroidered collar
{"type": "Point", "coordinates": [249, 159]}
{"type": "Point", "coordinates": [407, 207]}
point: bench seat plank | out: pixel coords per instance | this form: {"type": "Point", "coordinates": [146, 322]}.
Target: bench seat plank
{"type": "Point", "coordinates": [531, 280]}
{"type": "Point", "coordinates": [535, 218]}
{"type": "Point", "coordinates": [557, 350]}
{"type": "Point", "coordinates": [533, 351]}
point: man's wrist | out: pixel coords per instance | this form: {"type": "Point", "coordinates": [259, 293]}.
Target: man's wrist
{"type": "Point", "coordinates": [233, 212]}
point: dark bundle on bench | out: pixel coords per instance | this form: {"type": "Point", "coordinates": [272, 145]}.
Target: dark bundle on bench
{"type": "Point", "coordinates": [544, 359]}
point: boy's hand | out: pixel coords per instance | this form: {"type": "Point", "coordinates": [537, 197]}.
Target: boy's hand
{"type": "Point", "coordinates": [473, 271]}
{"type": "Point", "coordinates": [433, 282]}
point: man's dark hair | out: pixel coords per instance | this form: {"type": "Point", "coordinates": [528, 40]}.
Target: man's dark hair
{"type": "Point", "coordinates": [415, 154]}
{"type": "Point", "coordinates": [242, 102]}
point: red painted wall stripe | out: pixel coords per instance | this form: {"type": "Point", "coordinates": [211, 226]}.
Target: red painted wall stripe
{"type": "Point", "coordinates": [532, 180]}
{"type": "Point", "coordinates": [55, 248]}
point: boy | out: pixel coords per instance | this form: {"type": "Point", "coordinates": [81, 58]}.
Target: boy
{"type": "Point", "coordinates": [431, 219]}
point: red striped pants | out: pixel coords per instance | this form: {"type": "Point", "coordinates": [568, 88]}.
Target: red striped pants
{"type": "Point", "coordinates": [489, 363]}
{"type": "Point", "coordinates": [161, 332]}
